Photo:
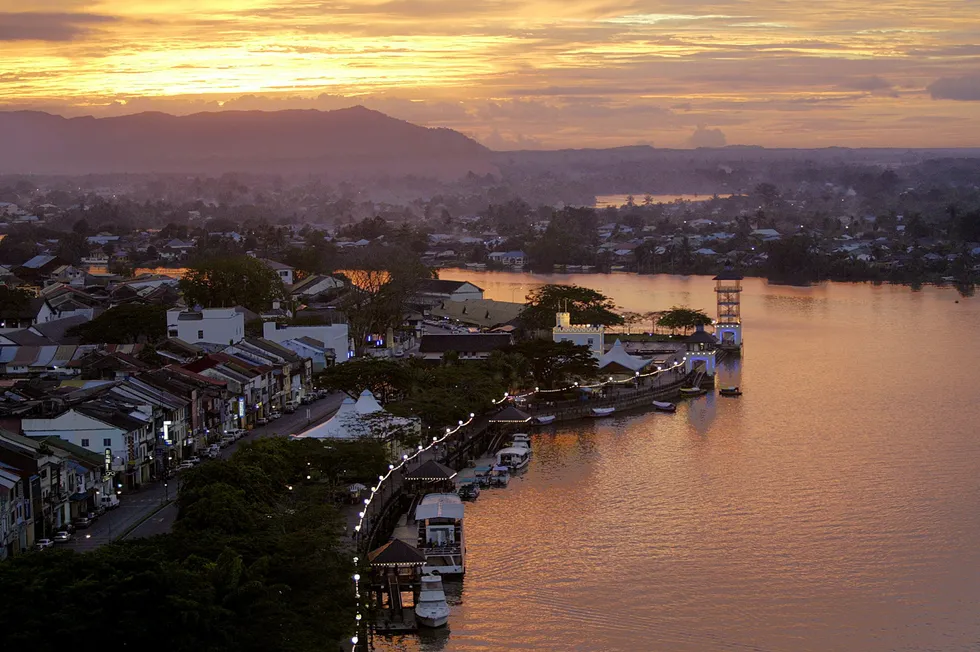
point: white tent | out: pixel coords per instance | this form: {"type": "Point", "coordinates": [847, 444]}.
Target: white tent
{"type": "Point", "coordinates": [617, 355]}
{"type": "Point", "coordinates": [362, 418]}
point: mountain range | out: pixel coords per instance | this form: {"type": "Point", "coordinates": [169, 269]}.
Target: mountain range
{"type": "Point", "coordinates": [348, 143]}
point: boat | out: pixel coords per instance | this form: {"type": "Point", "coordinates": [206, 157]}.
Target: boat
{"type": "Point", "coordinates": [663, 406]}
{"type": "Point", "coordinates": [691, 391]}
{"type": "Point", "coordinates": [601, 412]}
{"type": "Point", "coordinates": [513, 457]}
{"type": "Point", "coordinates": [469, 489]}
{"type": "Point", "coordinates": [730, 391]}
{"type": "Point", "coordinates": [521, 438]}
{"type": "Point", "coordinates": [500, 476]}
{"type": "Point", "coordinates": [432, 609]}
{"type": "Point", "coordinates": [482, 475]}
{"type": "Point", "coordinates": [544, 420]}
{"type": "Point", "coordinates": [440, 521]}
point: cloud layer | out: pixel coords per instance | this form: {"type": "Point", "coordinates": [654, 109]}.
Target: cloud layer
{"type": "Point", "coordinates": [523, 73]}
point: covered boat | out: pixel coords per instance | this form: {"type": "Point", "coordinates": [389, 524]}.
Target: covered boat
{"type": "Point", "coordinates": [482, 475]}
{"type": "Point", "coordinates": [731, 391]}
{"type": "Point", "coordinates": [691, 391]}
{"type": "Point", "coordinates": [440, 538]}
{"type": "Point", "coordinates": [544, 420]}
{"type": "Point", "coordinates": [432, 609]}
{"type": "Point", "coordinates": [513, 457]}
{"type": "Point", "coordinates": [601, 412]}
{"type": "Point", "coordinates": [663, 406]}
{"type": "Point", "coordinates": [469, 489]}
{"type": "Point", "coordinates": [500, 476]}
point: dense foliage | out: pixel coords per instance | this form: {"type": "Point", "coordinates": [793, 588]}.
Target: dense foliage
{"type": "Point", "coordinates": [125, 324]}
{"type": "Point", "coordinates": [232, 281]}
{"type": "Point", "coordinates": [586, 307]}
{"type": "Point", "coordinates": [254, 564]}
{"type": "Point", "coordinates": [683, 318]}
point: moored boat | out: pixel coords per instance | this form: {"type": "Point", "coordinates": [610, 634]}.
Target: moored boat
{"type": "Point", "coordinates": [691, 391]}
{"type": "Point", "coordinates": [440, 521]}
{"type": "Point", "coordinates": [432, 609]}
{"type": "Point", "coordinates": [601, 412]}
{"type": "Point", "coordinates": [730, 391]}
{"type": "Point", "coordinates": [482, 475]}
{"type": "Point", "coordinates": [514, 457]}
{"type": "Point", "coordinates": [663, 406]}
{"type": "Point", "coordinates": [500, 476]}
{"type": "Point", "coordinates": [522, 439]}
{"type": "Point", "coordinates": [544, 420]}
{"type": "Point", "coordinates": [469, 489]}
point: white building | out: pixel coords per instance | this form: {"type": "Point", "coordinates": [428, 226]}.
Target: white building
{"type": "Point", "coordinates": [335, 337]}
{"type": "Point", "coordinates": [285, 272]}
{"type": "Point", "coordinates": [511, 258]}
{"type": "Point", "coordinates": [446, 290]}
{"type": "Point", "coordinates": [214, 325]}
{"type": "Point", "coordinates": [580, 334]}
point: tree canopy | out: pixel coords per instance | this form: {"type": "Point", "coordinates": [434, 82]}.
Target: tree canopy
{"type": "Point", "coordinates": [683, 318]}
{"type": "Point", "coordinates": [554, 363]}
{"type": "Point", "coordinates": [585, 305]}
{"type": "Point", "coordinates": [232, 281]}
{"type": "Point", "coordinates": [126, 324]}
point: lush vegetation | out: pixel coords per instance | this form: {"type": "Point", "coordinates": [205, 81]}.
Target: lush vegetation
{"type": "Point", "coordinates": [254, 564]}
{"type": "Point", "coordinates": [232, 281]}
{"type": "Point", "coordinates": [683, 319]}
{"type": "Point", "coordinates": [126, 324]}
{"type": "Point", "coordinates": [586, 307]}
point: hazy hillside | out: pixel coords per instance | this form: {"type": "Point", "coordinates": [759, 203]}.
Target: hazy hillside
{"type": "Point", "coordinates": [348, 142]}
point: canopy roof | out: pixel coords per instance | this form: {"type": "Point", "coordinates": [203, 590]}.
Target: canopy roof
{"type": "Point", "coordinates": [510, 414]}
{"type": "Point", "coordinates": [439, 506]}
{"type": "Point", "coordinates": [431, 470]}
{"type": "Point", "coordinates": [396, 553]}
{"type": "Point", "coordinates": [617, 355]}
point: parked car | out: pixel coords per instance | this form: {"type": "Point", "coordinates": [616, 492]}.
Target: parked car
{"type": "Point", "coordinates": [110, 502]}
{"type": "Point", "coordinates": [290, 408]}
{"type": "Point", "coordinates": [275, 415]}
{"type": "Point", "coordinates": [308, 399]}
{"type": "Point", "coordinates": [61, 536]}
{"type": "Point", "coordinates": [262, 422]}
{"type": "Point", "coordinates": [193, 460]}
{"type": "Point", "coordinates": [183, 466]}
{"type": "Point", "coordinates": [41, 544]}
{"type": "Point", "coordinates": [82, 522]}
{"type": "Point", "coordinates": [92, 516]}
{"type": "Point", "coordinates": [213, 451]}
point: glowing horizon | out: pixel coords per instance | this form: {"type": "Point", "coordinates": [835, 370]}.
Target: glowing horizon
{"type": "Point", "coordinates": [540, 73]}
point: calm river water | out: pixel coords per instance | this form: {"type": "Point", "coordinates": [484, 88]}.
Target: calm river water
{"type": "Point", "coordinates": [834, 506]}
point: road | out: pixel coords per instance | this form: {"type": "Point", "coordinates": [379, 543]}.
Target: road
{"type": "Point", "coordinates": [143, 509]}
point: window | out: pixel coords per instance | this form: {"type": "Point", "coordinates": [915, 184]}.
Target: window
{"type": "Point", "coordinates": [107, 442]}
{"type": "Point", "coordinates": [85, 443]}
{"type": "Point", "coordinates": [200, 335]}
{"type": "Point", "coordinates": [44, 474]}
{"type": "Point", "coordinates": [591, 341]}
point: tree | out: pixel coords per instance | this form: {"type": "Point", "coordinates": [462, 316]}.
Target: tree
{"type": "Point", "coordinates": [387, 379]}
{"type": "Point", "coordinates": [126, 324]}
{"type": "Point", "coordinates": [382, 282]}
{"type": "Point", "coordinates": [683, 318]}
{"type": "Point", "coordinates": [13, 300]}
{"type": "Point", "coordinates": [72, 247]}
{"type": "Point", "coordinates": [585, 305]}
{"type": "Point", "coordinates": [553, 363]}
{"type": "Point", "coordinates": [232, 281]}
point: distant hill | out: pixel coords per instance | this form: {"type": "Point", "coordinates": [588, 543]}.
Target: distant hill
{"type": "Point", "coordinates": [349, 143]}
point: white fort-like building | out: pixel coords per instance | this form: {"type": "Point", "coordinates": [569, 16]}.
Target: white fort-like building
{"type": "Point", "coordinates": [581, 334]}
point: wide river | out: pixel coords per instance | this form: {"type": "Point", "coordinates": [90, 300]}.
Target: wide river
{"type": "Point", "coordinates": [833, 507]}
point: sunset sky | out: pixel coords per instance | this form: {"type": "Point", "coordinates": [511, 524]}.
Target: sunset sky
{"type": "Point", "coordinates": [522, 73]}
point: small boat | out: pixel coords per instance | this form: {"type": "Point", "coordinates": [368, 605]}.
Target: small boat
{"type": "Point", "coordinates": [521, 438]}
{"type": "Point", "coordinates": [602, 412]}
{"type": "Point", "coordinates": [513, 457]}
{"type": "Point", "coordinates": [730, 391]}
{"type": "Point", "coordinates": [469, 489]}
{"type": "Point", "coordinates": [544, 420]}
{"type": "Point", "coordinates": [432, 609]}
{"type": "Point", "coordinates": [691, 391]}
{"type": "Point", "coordinates": [663, 406]}
{"type": "Point", "coordinates": [482, 475]}
{"type": "Point", "coordinates": [500, 476]}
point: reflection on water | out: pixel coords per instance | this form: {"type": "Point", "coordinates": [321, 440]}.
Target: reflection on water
{"type": "Point", "coordinates": [604, 201]}
{"type": "Point", "coordinates": [834, 506]}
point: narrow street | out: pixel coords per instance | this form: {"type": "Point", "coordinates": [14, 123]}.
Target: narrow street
{"type": "Point", "coordinates": [134, 509]}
